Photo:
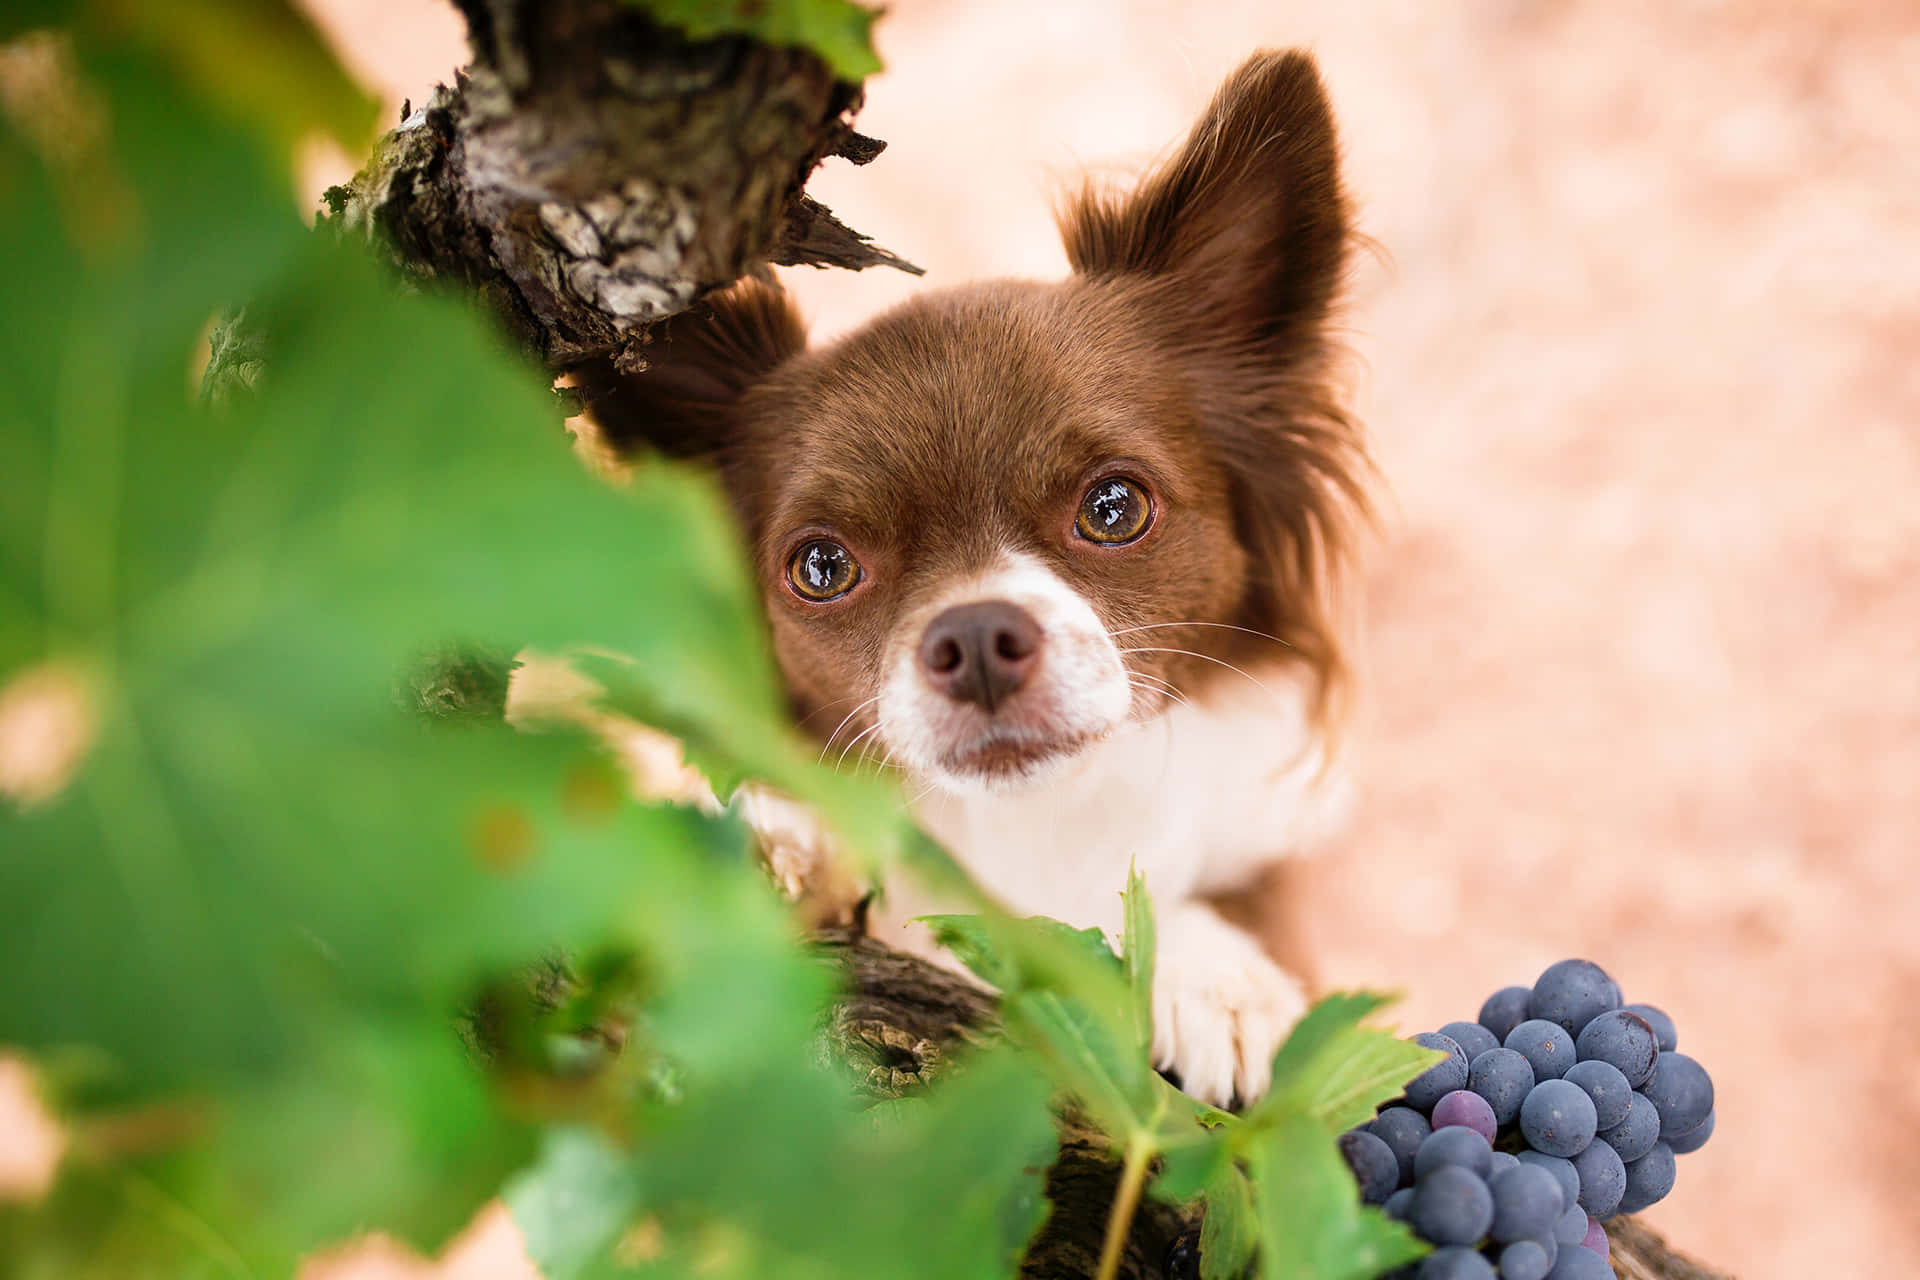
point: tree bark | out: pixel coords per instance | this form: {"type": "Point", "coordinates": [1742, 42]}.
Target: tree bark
{"type": "Point", "coordinates": [903, 1017]}
{"type": "Point", "coordinates": [590, 173]}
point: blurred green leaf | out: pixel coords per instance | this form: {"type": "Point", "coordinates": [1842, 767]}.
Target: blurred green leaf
{"type": "Point", "coordinates": [262, 63]}
{"type": "Point", "coordinates": [28, 15]}
{"type": "Point", "coordinates": [778, 1173]}
{"type": "Point", "coordinates": [840, 31]}
{"type": "Point", "coordinates": [268, 893]}
{"type": "Point", "coordinates": [574, 1203]}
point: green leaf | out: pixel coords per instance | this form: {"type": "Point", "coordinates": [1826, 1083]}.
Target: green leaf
{"type": "Point", "coordinates": [770, 1162]}
{"type": "Point", "coordinates": [1335, 1070]}
{"type": "Point", "coordinates": [261, 63]}
{"type": "Point", "coordinates": [1018, 953]}
{"type": "Point", "coordinates": [1188, 1168]}
{"type": "Point", "coordinates": [840, 31]}
{"type": "Point", "coordinates": [1138, 956]}
{"type": "Point", "coordinates": [1311, 1221]}
{"type": "Point", "coordinates": [1231, 1229]}
{"type": "Point", "coordinates": [1064, 996]}
{"type": "Point", "coordinates": [574, 1204]}
{"type": "Point", "coordinates": [721, 700]}
{"type": "Point", "coordinates": [267, 893]}
{"type": "Point", "coordinates": [28, 15]}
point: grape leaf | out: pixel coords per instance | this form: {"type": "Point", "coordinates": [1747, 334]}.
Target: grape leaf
{"type": "Point", "coordinates": [1311, 1220]}
{"type": "Point", "coordinates": [1337, 1071]}
{"type": "Point", "coordinates": [1230, 1231]}
{"type": "Point", "coordinates": [1138, 955]}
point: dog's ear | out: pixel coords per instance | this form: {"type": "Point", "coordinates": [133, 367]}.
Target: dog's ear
{"type": "Point", "coordinates": [1234, 251]}
{"type": "Point", "coordinates": [698, 365]}
{"type": "Point", "coordinates": [1247, 219]}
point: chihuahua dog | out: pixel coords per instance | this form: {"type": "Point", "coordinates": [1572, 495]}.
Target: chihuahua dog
{"type": "Point", "coordinates": [1064, 553]}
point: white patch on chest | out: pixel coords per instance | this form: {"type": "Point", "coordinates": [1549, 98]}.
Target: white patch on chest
{"type": "Point", "coordinates": [1200, 798]}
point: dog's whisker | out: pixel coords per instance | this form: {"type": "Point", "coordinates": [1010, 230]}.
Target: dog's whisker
{"type": "Point", "coordinates": [867, 753]}
{"type": "Point", "coordinates": [1224, 626]}
{"type": "Point", "coordinates": [1204, 657]}
{"type": "Point", "coordinates": [1164, 687]}
{"type": "Point", "coordinates": [828, 745]}
{"type": "Point", "coordinates": [855, 741]}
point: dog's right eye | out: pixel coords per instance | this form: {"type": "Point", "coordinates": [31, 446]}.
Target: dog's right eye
{"type": "Point", "coordinates": [822, 570]}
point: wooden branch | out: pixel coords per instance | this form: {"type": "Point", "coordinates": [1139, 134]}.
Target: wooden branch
{"type": "Point", "coordinates": [902, 1017]}
{"type": "Point", "coordinates": [590, 173]}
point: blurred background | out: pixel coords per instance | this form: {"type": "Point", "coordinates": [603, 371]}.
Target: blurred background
{"type": "Point", "coordinates": [1641, 670]}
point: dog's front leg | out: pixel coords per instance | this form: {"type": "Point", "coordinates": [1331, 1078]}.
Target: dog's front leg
{"type": "Point", "coordinates": [1221, 1006]}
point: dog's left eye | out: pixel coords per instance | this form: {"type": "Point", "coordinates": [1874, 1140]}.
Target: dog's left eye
{"type": "Point", "coordinates": [1115, 510]}
{"type": "Point", "coordinates": [822, 570]}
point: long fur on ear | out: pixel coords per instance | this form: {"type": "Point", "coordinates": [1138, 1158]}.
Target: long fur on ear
{"type": "Point", "coordinates": [1237, 247]}
{"type": "Point", "coordinates": [698, 364]}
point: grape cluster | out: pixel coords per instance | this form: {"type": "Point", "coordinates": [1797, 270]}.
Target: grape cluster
{"type": "Point", "coordinates": [1557, 1109]}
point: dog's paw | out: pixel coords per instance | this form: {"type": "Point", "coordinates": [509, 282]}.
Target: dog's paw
{"type": "Point", "coordinates": [1221, 1008]}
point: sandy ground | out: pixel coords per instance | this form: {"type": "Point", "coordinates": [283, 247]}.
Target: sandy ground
{"type": "Point", "coordinates": [1641, 680]}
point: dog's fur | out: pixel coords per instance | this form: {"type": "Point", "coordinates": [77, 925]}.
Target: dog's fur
{"type": "Point", "coordinates": [1173, 711]}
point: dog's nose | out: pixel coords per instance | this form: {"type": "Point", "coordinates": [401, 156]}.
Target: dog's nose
{"type": "Point", "coordinates": [980, 653]}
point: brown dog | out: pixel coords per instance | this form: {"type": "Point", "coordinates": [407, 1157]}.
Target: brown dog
{"type": "Point", "coordinates": [1063, 552]}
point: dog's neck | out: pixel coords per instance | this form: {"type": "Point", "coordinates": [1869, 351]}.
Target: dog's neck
{"type": "Point", "coordinates": [1199, 798]}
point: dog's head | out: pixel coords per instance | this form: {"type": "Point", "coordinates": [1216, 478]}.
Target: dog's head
{"type": "Point", "coordinates": [1004, 519]}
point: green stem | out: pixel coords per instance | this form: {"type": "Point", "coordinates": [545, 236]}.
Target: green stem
{"type": "Point", "coordinates": [1133, 1176]}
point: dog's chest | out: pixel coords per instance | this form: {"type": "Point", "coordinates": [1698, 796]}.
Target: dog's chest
{"type": "Point", "coordinates": [1199, 799]}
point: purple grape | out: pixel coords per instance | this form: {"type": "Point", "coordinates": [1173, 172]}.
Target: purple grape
{"type": "Point", "coordinates": [1603, 1083]}
{"type": "Point", "coordinates": [1580, 1264]}
{"type": "Point", "coordinates": [1454, 1145]}
{"type": "Point", "coordinates": [1527, 1201]}
{"type": "Point", "coordinates": [1403, 1130]}
{"type": "Point", "coordinates": [1504, 1010]}
{"type": "Point", "coordinates": [1455, 1262]}
{"type": "Point", "coordinates": [1503, 1077]}
{"type": "Point", "coordinates": [1572, 993]}
{"type": "Point", "coordinates": [1452, 1205]}
{"type": "Point", "coordinates": [1663, 1028]}
{"type": "Point", "coordinates": [1603, 1179]}
{"type": "Point", "coordinates": [1625, 1040]}
{"type": "Point", "coordinates": [1597, 1241]}
{"type": "Point", "coordinates": [1399, 1205]}
{"type": "Point", "coordinates": [1562, 1171]}
{"type": "Point", "coordinates": [1693, 1139]}
{"type": "Point", "coordinates": [1442, 1077]}
{"type": "Point", "coordinates": [1648, 1179]}
{"type": "Point", "coordinates": [1558, 1119]}
{"type": "Point", "coordinates": [1464, 1109]}
{"type": "Point", "coordinates": [1374, 1165]}
{"type": "Point", "coordinates": [1681, 1091]}
{"type": "Point", "coordinates": [1501, 1162]}
{"type": "Point", "coordinates": [1636, 1133]}
{"type": "Point", "coordinates": [1525, 1260]}
{"type": "Point", "coordinates": [1547, 1047]}
{"type": "Point", "coordinates": [1571, 1227]}
{"type": "Point", "coordinates": [1472, 1038]}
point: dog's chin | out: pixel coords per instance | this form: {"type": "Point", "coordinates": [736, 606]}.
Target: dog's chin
{"type": "Point", "coordinates": [1002, 760]}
